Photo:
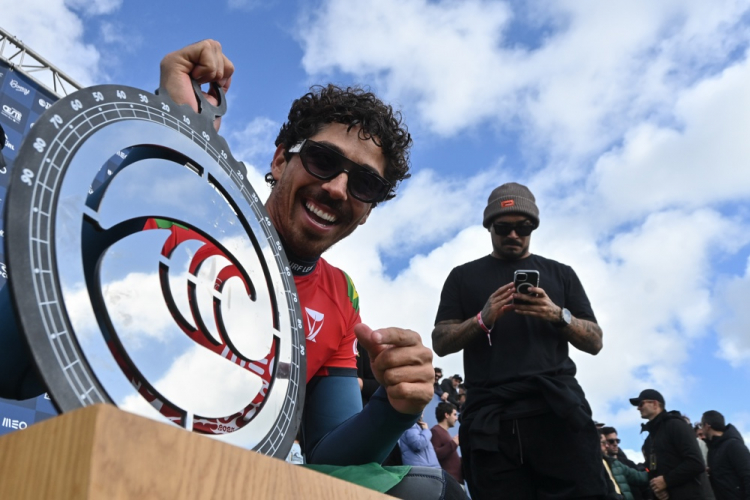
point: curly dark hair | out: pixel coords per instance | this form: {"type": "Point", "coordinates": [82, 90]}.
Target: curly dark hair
{"type": "Point", "coordinates": [352, 106]}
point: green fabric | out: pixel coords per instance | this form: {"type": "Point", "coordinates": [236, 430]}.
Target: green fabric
{"type": "Point", "coordinates": [372, 476]}
{"type": "Point", "coordinates": [166, 224]}
{"type": "Point", "coordinates": [627, 478]}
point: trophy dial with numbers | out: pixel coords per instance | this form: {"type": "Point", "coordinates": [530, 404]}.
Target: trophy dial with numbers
{"type": "Point", "coordinates": [146, 273]}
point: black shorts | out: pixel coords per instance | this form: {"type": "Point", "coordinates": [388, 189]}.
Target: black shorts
{"type": "Point", "coordinates": [539, 458]}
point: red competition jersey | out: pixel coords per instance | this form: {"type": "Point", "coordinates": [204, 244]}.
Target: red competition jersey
{"type": "Point", "coordinates": [330, 307]}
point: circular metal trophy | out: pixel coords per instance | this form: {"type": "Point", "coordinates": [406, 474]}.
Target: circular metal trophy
{"type": "Point", "coordinates": [146, 273]}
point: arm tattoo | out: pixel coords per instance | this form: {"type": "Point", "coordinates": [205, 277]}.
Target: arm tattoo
{"type": "Point", "coordinates": [453, 335]}
{"type": "Point", "coordinates": [584, 335]}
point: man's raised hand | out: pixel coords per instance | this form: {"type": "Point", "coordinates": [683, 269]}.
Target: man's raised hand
{"type": "Point", "coordinates": [204, 62]}
{"type": "Point", "coordinates": [498, 304]}
{"type": "Point", "coordinates": [401, 364]}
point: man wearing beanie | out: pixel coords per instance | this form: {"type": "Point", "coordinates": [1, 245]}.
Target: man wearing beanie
{"type": "Point", "coordinates": [526, 429]}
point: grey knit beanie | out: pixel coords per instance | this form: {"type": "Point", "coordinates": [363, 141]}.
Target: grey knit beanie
{"type": "Point", "coordinates": [511, 198]}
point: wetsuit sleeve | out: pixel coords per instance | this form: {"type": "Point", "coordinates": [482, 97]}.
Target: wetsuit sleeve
{"type": "Point", "coordinates": [683, 439]}
{"type": "Point", "coordinates": [18, 378]}
{"type": "Point", "coordinates": [338, 431]}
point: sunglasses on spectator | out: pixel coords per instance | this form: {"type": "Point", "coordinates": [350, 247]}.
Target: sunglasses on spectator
{"type": "Point", "coordinates": [325, 164]}
{"type": "Point", "coordinates": [503, 229]}
{"type": "Point", "coordinates": [613, 441]}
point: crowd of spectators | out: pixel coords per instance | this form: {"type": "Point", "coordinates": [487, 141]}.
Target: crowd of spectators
{"type": "Point", "coordinates": [707, 460]}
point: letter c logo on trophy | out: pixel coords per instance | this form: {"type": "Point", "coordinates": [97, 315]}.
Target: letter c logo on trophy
{"type": "Point", "coordinates": [145, 274]}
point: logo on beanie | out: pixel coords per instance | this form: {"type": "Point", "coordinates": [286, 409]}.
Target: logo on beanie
{"type": "Point", "coordinates": [508, 203]}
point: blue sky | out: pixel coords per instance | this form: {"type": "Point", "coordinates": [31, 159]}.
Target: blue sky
{"type": "Point", "coordinates": [626, 119]}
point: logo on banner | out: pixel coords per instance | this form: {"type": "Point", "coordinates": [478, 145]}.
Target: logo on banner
{"type": "Point", "coordinates": [44, 103]}
{"type": "Point", "coordinates": [12, 113]}
{"type": "Point", "coordinates": [9, 145]}
{"type": "Point", "coordinates": [18, 87]}
{"type": "Point", "coordinates": [11, 423]}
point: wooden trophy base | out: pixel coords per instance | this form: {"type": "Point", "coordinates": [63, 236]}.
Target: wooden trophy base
{"type": "Point", "coordinates": [101, 452]}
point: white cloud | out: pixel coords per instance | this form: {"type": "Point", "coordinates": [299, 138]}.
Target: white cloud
{"type": "Point", "coordinates": [53, 29]}
{"type": "Point", "coordinates": [415, 49]}
{"type": "Point", "coordinates": [428, 210]}
{"type": "Point", "coordinates": [651, 290]}
{"type": "Point", "coordinates": [733, 317]}
{"type": "Point", "coordinates": [96, 7]}
{"type": "Point", "coordinates": [122, 38]}
{"type": "Point", "coordinates": [254, 146]}
{"type": "Point", "coordinates": [255, 142]}
{"type": "Point", "coordinates": [700, 162]}
{"type": "Point", "coordinates": [595, 73]}
{"type": "Point", "coordinates": [207, 384]}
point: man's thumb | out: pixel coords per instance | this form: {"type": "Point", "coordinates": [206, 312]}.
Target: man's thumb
{"type": "Point", "coordinates": [369, 339]}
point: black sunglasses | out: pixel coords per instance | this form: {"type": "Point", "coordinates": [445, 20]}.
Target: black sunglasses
{"type": "Point", "coordinates": [503, 229]}
{"type": "Point", "coordinates": [613, 441]}
{"type": "Point", "coordinates": [326, 164]}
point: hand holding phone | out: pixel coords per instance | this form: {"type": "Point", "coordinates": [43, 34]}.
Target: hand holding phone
{"type": "Point", "coordinates": [524, 280]}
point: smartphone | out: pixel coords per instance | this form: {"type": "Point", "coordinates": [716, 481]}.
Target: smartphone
{"type": "Point", "coordinates": [524, 279]}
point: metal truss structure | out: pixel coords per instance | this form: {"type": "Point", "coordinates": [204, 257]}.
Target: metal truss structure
{"type": "Point", "coordinates": [21, 58]}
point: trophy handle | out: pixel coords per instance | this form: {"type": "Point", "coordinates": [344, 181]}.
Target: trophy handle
{"type": "Point", "coordinates": [204, 106]}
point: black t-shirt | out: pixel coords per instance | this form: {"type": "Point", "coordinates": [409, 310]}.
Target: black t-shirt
{"type": "Point", "coordinates": [522, 346]}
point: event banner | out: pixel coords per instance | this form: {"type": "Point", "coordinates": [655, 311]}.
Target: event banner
{"type": "Point", "coordinates": [22, 101]}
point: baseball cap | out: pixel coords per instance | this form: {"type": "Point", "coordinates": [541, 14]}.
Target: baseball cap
{"type": "Point", "coordinates": [645, 394]}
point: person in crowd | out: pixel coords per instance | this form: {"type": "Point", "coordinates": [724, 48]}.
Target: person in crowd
{"type": "Point", "coordinates": [450, 387]}
{"type": "Point", "coordinates": [612, 441]}
{"type": "Point", "coordinates": [728, 458]}
{"type": "Point", "coordinates": [416, 446]}
{"type": "Point", "coordinates": [627, 480]}
{"type": "Point", "coordinates": [446, 446]}
{"type": "Point", "coordinates": [671, 454]}
{"type": "Point", "coordinates": [461, 389]}
{"type": "Point", "coordinates": [613, 489]}
{"type": "Point", "coordinates": [461, 402]}
{"type": "Point", "coordinates": [613, 446]}
{"type": "Point", "coordinates": [523, 404]}
{"type": "Point", "coordinates": [700, 437]}
{"type": "Point", "coordinates": [436, 386]}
